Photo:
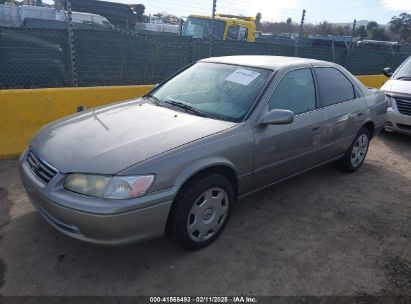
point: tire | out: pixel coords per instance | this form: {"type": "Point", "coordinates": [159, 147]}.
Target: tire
{"type": "Point", "coordinates": [201, 211]}
{"type": "Point", "coordinates": [355, 156]}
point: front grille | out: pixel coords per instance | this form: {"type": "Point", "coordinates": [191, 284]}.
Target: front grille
{"type": "Point", "coordinates": [40, 168]}
{"type": "Point", "coordinates": [405, 127]}
{"type": "Point", "coordinates": [404, 106]}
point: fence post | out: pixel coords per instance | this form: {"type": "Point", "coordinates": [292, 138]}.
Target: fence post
{"type": "Point", "coordinates": [212, 28]}
{"type": "Point", "coordinates": [347, 54]}
{"type": "Point", "coordinates": [300, 34]}
{"type": "Point", "coordinates": [392, 57]}
{"type": "Point", "coordinates": [71, 45]}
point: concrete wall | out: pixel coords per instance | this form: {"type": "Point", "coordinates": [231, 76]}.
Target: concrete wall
{"type": "Point", "coordinates": [23, 112]}
{"type": "Point", "coordinates": [373, 81]}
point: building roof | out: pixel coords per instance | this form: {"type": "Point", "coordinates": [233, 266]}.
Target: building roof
{"type": "Point", "coordinates": [264, 62]}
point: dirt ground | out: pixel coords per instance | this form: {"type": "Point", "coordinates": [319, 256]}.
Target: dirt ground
{"type": "Point", "coordinates": [322, 233]}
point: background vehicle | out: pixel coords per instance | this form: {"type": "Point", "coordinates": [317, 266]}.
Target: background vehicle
{"type": "Point", "coordinates": [179, 158]}
{"type": "Point", "coordinates": [25, 15]}
{"type": "Point", "coordinates": [88, 18]}
{"type": "Point", "coordinates": [227, 27]}
{"type": "Point", "coordinates": [9, 15]}
{"type": "Point", "coordinates": [398, 91]}
{"type": "Point", "coordinates": [156, 25]}
{"type": "Point", "coordinates": [379, 45]}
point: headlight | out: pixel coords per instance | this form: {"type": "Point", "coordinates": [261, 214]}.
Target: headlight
{"type": "Point", "coordinates": [113, 187]}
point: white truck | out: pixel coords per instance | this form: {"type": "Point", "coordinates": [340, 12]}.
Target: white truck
{"type": "Point", "coordinates": [15, 16]}
{"type": "Point", "coordinates": [157, 25]}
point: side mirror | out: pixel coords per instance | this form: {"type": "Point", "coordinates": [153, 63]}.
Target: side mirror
{"type": "Point", "coordinates": [277, 117]}
{"type": "Point", "coordinates": [387, 72]}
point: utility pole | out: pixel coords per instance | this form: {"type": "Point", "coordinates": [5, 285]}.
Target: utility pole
{"type": "Point", "coordinates": [353, 32]}
{"type": "Point", "coordinates": [212, 27]}
{"type": "Point", "coordinates": [300, 34]}
{"type": "Point", "coordinates": [70, 31]}
{"type": "Point", "coordinates": [351, 47]}
{"type": "Point", "coordinates": [353, 29]}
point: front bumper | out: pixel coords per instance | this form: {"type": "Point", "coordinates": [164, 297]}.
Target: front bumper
{"type": "Point", "coordinates": [398, 122]}
{"type": "Point", "coordinates": [132, 221]}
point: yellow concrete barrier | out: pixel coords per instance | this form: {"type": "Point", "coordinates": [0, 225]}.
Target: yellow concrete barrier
{"type": "Point", "coordinates": [23, 112]}
{"type": "Point", "coordinates": [373, 81]}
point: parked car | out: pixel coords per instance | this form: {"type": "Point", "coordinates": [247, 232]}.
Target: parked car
{"type": "Point", "coordinates": [179, 158]}
{"type": "Point", "coordinates": [398, 91]}
{"type": "Point", "coordinates": [29, 15]}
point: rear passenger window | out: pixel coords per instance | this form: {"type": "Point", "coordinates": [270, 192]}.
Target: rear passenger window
{"type": "Point", "coordinates": [334, 87]}
{"type": "Point", "coordinates": [295, 92]}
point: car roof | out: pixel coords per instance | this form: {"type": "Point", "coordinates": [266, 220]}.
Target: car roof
{"type": "Point", "coordinates": [265, 62]}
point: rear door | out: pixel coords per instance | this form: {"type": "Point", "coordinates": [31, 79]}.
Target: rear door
{"type": "Point", "coordinates": [284, 150]}
{"type": "Point", "coordinates": [343, 108]}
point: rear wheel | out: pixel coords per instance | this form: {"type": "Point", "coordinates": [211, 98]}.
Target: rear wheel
{"type": "Point", "coordinates": [202, 211]}
{"type": "Point", "coordinates": [357, 152]}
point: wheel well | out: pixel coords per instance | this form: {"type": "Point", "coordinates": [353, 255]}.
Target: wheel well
{"type": "Point", "coordinates": [371, 127]}
{"type": "Point", "coordinates": [226, 171]}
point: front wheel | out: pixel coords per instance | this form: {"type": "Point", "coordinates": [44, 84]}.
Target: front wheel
{"type": "Point", "coordinates": [202, 211]}
{"type": "Point", "coordinates": [357, 152]}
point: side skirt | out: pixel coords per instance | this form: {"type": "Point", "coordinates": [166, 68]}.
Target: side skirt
{"type": "Point", "coordinates": [291, 176]}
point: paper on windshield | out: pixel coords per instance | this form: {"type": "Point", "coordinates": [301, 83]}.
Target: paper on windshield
{"type": "Point", "coordinates": [242, 76]}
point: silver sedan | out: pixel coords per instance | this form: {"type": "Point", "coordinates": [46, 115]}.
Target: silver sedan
{"type": "Point", "coordinates": [179, 158]}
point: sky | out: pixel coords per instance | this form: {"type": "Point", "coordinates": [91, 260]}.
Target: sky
{"type": "Point", "coordinates": [273, 10]}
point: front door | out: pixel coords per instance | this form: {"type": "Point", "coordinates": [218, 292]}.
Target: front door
{"type": "Point", "coordinates": [284, 150]}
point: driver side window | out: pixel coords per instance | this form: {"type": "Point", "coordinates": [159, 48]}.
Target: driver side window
{"type": "Point", "coordinates": [232, 33]}
{"type": "Point", "coordinates": [295, 92]}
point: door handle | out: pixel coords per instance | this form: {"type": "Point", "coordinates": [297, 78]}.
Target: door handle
{"type": "Point", "coordinates": [360, 114]}
{"type": "Point", "coordinates": [315, 128]}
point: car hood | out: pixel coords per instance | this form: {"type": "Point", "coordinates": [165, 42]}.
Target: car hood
{"type": "Point", "coordinates": [397, 86]}
{"type": "Point", "coordinates": [109, 139]}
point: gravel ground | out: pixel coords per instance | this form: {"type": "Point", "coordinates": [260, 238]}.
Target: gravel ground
{"type": "Point", "coordinates": [322, 233]}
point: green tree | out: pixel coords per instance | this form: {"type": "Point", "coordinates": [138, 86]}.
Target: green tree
{"type": "Point", "coordinates": [258, 18]}
{"type": "Point", "coordinates": [362, 32]}
{"type": "Point", "coordinates": [379, 34]}
{"type": "Point", "coordinates": [342, 30]}
{"type": "Point", "coordinates": [258, 21]}
{"type": "Point", "coordinates": [371, 25]}
{"type": "Point", "coordinates": [401, 26]}
{"type": "Point", "coordinates": [325, 28]}
{"type": "Point", "coordinates": [289, 21]}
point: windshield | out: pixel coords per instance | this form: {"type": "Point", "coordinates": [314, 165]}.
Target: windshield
{"type": "Point", "coordinates": [201, 28]}
{"type": "Point", "coordinates": [404, 71]}
{"type": "Point", "coordinates": [219, 91]}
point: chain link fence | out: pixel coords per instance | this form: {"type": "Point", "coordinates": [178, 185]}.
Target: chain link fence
{"type": "Point", "coordinates": [39, 57]}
